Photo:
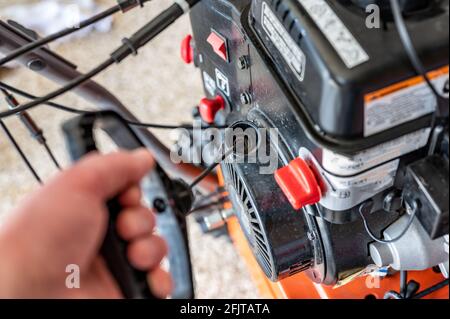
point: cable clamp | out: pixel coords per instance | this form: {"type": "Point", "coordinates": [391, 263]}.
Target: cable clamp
{"type": "Point", "coordinates": [184, 5]}
{"type": "Point", "coordinates": [127, 5]}
{"type": "Point", "coordinates": [127, 42]}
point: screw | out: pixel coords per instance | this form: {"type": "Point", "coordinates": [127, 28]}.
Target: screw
{"type": "Point", "coordinates": [196, 112]}
{"type": "Point", "coordinates": [246, 98]}
{"type": "Point", "coordinates": [311, 236]}
{"type": "Point", "coordinates": [243, 63]}
{"type": "Point", "coordinates": [159, 205]}
{"type": "Point", "coordinates": [251, 18]}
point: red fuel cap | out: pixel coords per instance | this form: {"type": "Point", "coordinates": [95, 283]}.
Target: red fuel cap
{"type": "Point", "coordinates": [209, 107]}
{"type": "Point", "coordinates": [187, 51]}
{"type": "Point", "coordinates": [298, 183]}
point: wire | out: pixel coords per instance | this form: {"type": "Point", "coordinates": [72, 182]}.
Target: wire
{"type": "Point", "coordinates": [82, 112]}
{"type": "Point", "coordinates": [51, 155]}
{"type": "Point", "coordinates": [53, 37]}
{"type": "Point", "coordinates": [420, 295]}
{"type": "Point", "coordinates": [204, 174]}
{"type": "Point", "coordinates": [170, 127]}
{"type": "Point", "coordinates": [409, 47]}
{"type": "Point", "coordinates": [415, 210]}
{"type": "Point", "coordinates": [68, 87]}
{"type": "Point", "coordinates": [219, 204]}
{"type": "Point", "coordinates": [20, 151]}
{"type": "Point", "coordinates": [129, 46]}
{"type": "Point", "coordinates": [36, 132]}
{"type": "Point", "coordinates": [403, 283]}
{"type": "Point", "coordinates": [209, 170]}
{"type": "Point", "coordinates": [430, 290]}
{"type": "Point", "coordinates": [220, 191]}
{"type": "Point", "coordinates": [32, 97]}
{"type": "Point", "coordinates": [123, 5]}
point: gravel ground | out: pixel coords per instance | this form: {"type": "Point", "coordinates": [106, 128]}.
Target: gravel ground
{"type": "Point", "coordinates": [157, 87]}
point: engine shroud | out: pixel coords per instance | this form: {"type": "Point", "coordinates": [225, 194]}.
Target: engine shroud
{"type": "Point", "coordinates": [277, 235]}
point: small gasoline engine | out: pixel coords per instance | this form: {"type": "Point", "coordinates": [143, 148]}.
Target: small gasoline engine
{"type": "Point", "coordinates": [361, 183]}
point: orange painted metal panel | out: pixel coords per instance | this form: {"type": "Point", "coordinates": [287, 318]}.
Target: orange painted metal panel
{"type": "Point", "coordinates": [301, 287]}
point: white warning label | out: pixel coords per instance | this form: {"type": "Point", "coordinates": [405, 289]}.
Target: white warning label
{"type": "Point", "coordinates": [342, 193]}
{"type": "Point", "coordinates": [402, 102]}
{"type": "Point", "coordinates": [290, 51]}
{"type": "Point", "coordinates": [350, 191]}
{"type": "Point", "coordinates": [210, 83]}
{"type": "Point", "coordinates": [345, 166]}
{"type": "Point", "coordinates": [222, 82]}
{"type": "Point", "coordinates": [339, 36]}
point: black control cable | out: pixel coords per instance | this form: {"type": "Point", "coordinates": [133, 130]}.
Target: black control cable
{"type": "Point", "coordinates": [129, 47]}
{"type": "Point", "coordinates": [210, 169]}
{"type": "Point", "coordinates": [52, 155]}
{"type": "Point", "coordinates": [213, 205]}
{"type": "Point", "coordinates": [123, 5]}
{"type": "Point", "coordinates": [171, 127]}
{"type": "Point", "coordinates": [403, 283]}
{"type": "Point", "coordinates": [409, 47]}
{"type": "Point", "coordinates": [35, 131]}
{"type": "Point", "coordinates": [414, 212]}
{"type": "Point", "coordinates": [432, 289]}
{"type": "Point", "coordinates": [395, 295]}
{"type": "Point", "coordinates": [219, 192]}
{"type": "Point", "coordinates": [29, 96]}
{"type": "Point", "coordinates": [68, 87]}
{"type": "Point", "coordinates": [68, 109]}
{"type": "Point", "coordinates": [20, 151]}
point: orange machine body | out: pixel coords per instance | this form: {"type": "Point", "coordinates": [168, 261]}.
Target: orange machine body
{"type": "Point", "coordinates": [301, 287]}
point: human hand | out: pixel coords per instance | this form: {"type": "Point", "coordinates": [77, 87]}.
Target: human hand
{"type": "Point", "coordinates": [64, 223]}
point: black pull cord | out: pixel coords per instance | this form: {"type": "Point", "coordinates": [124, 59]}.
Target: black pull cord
{"type": "Point", "coordinates": [209, 169]}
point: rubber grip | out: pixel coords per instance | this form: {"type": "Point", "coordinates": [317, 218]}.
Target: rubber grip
{"type": "Point", "coordinates": [132, 282]}
{"type": "Point", "coordinates": [79, 133]}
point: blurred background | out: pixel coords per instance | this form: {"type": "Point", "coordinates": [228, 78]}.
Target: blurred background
{"type": "Point", "coordinates": [156, 85]}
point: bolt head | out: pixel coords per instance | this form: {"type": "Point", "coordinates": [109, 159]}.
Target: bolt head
{"type": "Point", "coordinates": [246, 98]}
{"type": "Point", "coordinates": [36, 65]}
